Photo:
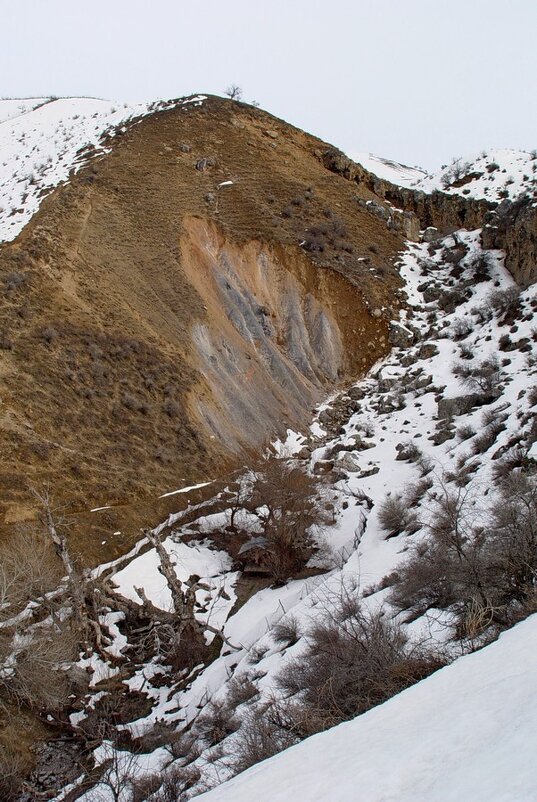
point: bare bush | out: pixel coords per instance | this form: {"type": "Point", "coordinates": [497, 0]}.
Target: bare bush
{"type": "Point", "coordinates": [355, 659]}
{"type": "Point", "coordinates": [177, 782]}
{"type": "Point", "coordinates": [475, 560]}
{"type": "Point", "coordinates": [216, 722]}
{"type": "Point", "coordinates": [506, 303]}
{"type": "Point", "coordinates": [286, 631]}
{"type": "Point", "coordinates": [242, 688]}
{"type": "Point", "coordinates": [12, 769]}
{"type": "Point", "coordinates": [461, 328]}
{"type": "Point", "coordinates": [234, 92]}
{"type": "Point", "coordinates": [259, 738]}
{"type": "Point", "coordinates": [394, 515]}
{"type": "Point", "coordinates": [485, 376]}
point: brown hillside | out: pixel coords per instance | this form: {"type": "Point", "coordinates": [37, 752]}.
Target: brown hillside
{"type": "Point", "coordinates": [155, 325]}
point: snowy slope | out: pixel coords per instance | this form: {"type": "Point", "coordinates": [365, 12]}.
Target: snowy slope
{"type": "Point", "coordinates": [493, 175]}
{"type": "Point", "coordinates": [40, 142]}
{"type": "Point", "coordinates": [14, 107]}
{"type": "Point", "coordinates": [389, 170]}
{"type": "Point", "coordinates": [455, 317]}
{"type": "Point", "coordinates": [465, 733]}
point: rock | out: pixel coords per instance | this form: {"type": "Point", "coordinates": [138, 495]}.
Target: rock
{"type": "Point", "coordinates": [379, 211]}
{"type": "Point", "coordinates": [356, 393]}
{"type": "Point", "coordinates": [348, 462]}
{"type": "Point", "coordinates": [442, 435]}
{"type": "Point", "coordinates": [271, 134]}
{"type": "Point", "coordinates": [304, 453]}
{"type": "Point", "coordinates": [203, 164]}
{"type": "Point", "coordinates": [449, 408]}
{"type": "Point", "coordinates": [184, 148]}
{"type": "Point", "coordinates": [210, 197]}
{"type": "Point", "coordinates": [376, 313]}
{"type": "Point", "coordinates": [369, 471]}
{"type": "Point", "coordinates": [401, 336]}
{"type": "Point", "coordinates": [326, 416]}
{"type": "Point", "coordinates": [427, 350]}
{"type": "Point", "coordinates": [430, 234]}
{"type": "Point", "coordinates": [362, 445]}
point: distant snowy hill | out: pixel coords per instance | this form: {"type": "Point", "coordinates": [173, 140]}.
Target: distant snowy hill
{"type": "Point", "coordinates": [389, 170]}
{"type": "Point", "coordinates": [465, 733]}
{"type": "Point", "coordinates": [493, 175]}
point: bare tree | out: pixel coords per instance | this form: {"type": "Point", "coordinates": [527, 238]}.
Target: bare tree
{"type": "Point", "coordinates": [34, 640]}
{"type": "Point", "coordinates": [234, 92]}
{"type": "Point", "coordinates": [80, 588]}
{"type": "Point", "coordinates": [292, 506]}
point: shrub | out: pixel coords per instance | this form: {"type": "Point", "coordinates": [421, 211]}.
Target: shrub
{"type": "Point", "coordinates": [176, 783]}
{"type": "Point", "coordinates": [216, 722]}
{"type": "Point", "coordinates": [242, 688]}
{"type": "Point", "coordinates": [506, 302]}
{"type": "Point", "coordinates": [259, 738]}
{"type": "Point", "coordinates": [286, 631]}
{"type": "Point", "coordinates": [292, 510]}
{"type": "Point", "coordinates": [12, 769]}
{"type": "Point", "coordinates": [461, 328]}
{"type": "Point", "coordinates": [466, 352]}
{"type": "Point", "coordinates": [394, 515]}
{"type": "Point", "coordinates": [485, 376]}
{"type": "Point", "coordinates": [487, 437]}
{"type": "Point", "coordinates": [49, 334]}
{"type": "Point", "coordinates": [465, 432]}
{"type": "Point", "coordinates": [355, 660]}
{"type": "Point", "coordinates": [473, 560]}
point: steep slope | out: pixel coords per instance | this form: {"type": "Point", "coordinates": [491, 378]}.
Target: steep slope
{"type": "Point", "coordinates": [193, 289]}
{"type": "Point", "coordinates": [448, 414]}
{"type": "Point", "coordinates": [465, 733]}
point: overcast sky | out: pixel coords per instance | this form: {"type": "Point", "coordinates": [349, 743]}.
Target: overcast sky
{"type": "Point", "coordinates": [419, 81]}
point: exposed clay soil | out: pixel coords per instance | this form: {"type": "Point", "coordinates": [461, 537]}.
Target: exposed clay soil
{"type": "Point", "coordinates": [164, 325]}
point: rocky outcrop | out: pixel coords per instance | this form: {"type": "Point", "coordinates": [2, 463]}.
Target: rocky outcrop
{"type": "Point", "coordinates": [410, 210]}
{"type": "Point", "coordinates": [512, 226]}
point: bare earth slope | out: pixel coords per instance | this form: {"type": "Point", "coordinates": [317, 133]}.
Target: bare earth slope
{"type": "Point", "coordinates": [156, 324]}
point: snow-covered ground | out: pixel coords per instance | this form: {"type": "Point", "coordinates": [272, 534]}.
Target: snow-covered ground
{"type": "Point", "coordinates": [465, 733]}
{"type": "Point", "coordinates": [493, 175]}
{"type": "Point", "coordinates": [389, 170]}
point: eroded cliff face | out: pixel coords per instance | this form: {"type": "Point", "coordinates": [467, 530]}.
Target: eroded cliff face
{"type": "Point", "coordinates": [277, 336]}
{"type": "Point", "coordinates": [179, 302]}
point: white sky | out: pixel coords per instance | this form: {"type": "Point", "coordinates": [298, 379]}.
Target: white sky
{"type": "Point", "coordinates": [419, 81]}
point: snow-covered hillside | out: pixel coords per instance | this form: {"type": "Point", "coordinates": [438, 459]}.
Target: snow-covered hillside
{"type": "Point", "coordinates": [467, 732]}
{"type": "Point", "coordinates": [443, 426]}
{"type": "Point", "coordinates": [493, 175]}
{"type": "Point", "coordinates": [448, 413]}
{"type": "Point", "coordinates": [389, 170]}
{"type": "Point", "coordinates": [41, 141]}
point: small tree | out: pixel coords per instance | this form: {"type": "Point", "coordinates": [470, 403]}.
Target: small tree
{"type": "Point", "coordinates": [291, 506]}
{"type": "Point", "coordinates": [234, 92]}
